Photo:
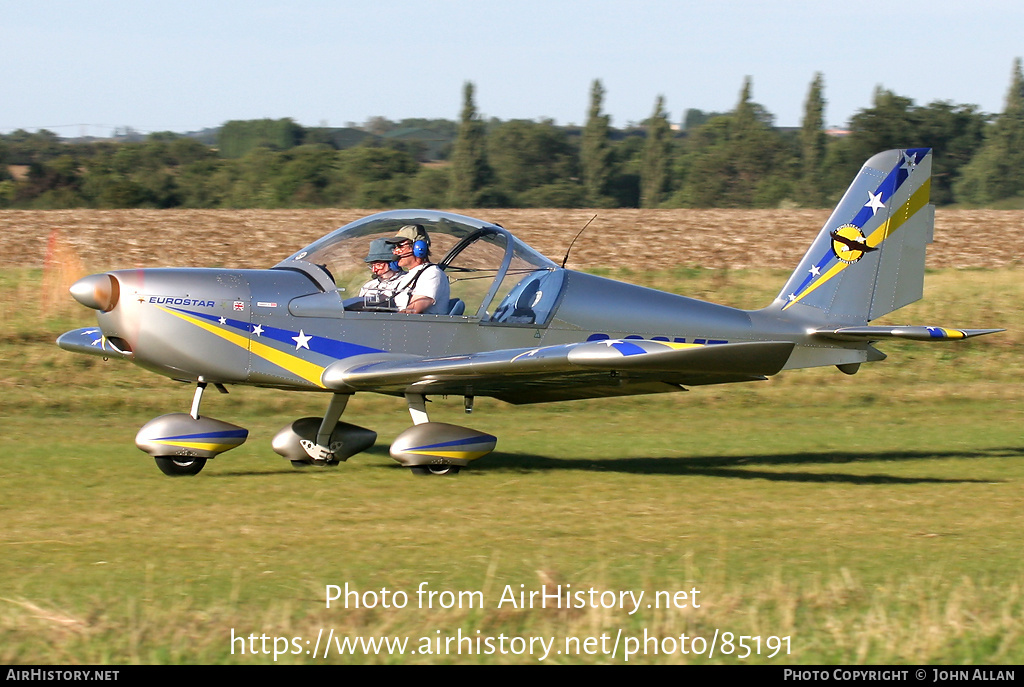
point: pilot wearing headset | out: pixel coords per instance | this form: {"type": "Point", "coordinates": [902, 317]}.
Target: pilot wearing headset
{"type": "Point", "coordinates": [379, 292]}
{"type": "Point", "coordinates": [424, 288]}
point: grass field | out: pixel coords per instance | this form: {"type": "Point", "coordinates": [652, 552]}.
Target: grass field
{"type": "Point", "coordinates": [868, 519]}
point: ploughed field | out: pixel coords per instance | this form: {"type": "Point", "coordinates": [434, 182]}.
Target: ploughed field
{"type": "Point", "coordinates": [631, 238]}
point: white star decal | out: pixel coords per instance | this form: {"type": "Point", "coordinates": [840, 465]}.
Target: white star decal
{"type": "Point", "coordinates": [874, 202]}
{"type": "Point", "coordinates": [301, 341]}
{"type": "Point", "coordinates": [223, 320]}
{"type": "Point", "coordinates": [258, 330]}
{"type": "Point", "coordinates": [909, 162]}
{"type": "Point", "coordinates": [814, 271]}
{"type": "Point", "coordinates": [791, 297]}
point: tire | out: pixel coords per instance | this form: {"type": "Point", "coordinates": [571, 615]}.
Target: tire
{"type": "Point", "coordinates": [303, 464]}
{"type": "Point", "coordinates": [180, 466]}
{"type": "Point", "coordinates": [437, 470]}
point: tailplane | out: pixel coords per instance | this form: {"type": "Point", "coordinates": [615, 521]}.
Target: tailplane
{"type": "Point", "coordinates": [868, 259]}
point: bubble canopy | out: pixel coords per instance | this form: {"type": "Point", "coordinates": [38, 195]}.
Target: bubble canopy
{"type": "Point", "coordinates": [483, 261]}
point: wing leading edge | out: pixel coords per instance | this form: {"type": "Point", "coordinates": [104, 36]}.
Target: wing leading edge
{"type": "Point", "coordinates": [564, 372]}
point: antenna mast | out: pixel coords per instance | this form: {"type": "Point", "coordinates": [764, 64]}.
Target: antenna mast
{"type": "Point", "coordinates": [566, 258]}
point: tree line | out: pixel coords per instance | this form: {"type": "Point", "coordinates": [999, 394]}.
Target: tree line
{"type": "Point", "coordinates": [730, 160]}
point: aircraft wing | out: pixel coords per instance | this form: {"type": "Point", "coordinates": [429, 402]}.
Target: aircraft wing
{"type": "Point", "coordinates": [563, 372]}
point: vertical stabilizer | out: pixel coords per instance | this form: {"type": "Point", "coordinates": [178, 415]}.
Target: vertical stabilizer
{"type": "Point", "coordinates": [868, 259]}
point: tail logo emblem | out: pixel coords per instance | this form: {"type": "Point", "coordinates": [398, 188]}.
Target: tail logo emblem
{"type": "Point", "coordinates": [849, 244]}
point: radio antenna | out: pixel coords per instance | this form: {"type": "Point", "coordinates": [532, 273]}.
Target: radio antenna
{"type": "Point", "coordinates": [566, 258]}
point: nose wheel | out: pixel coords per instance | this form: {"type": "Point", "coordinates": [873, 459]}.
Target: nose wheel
{"type": "Point", "coordinates": [181, 443]}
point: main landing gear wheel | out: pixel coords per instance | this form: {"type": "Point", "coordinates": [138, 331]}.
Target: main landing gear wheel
{"type": "Point", "coordinates": [303, 464]}
{"type": "Point", "coordinates": [435, 469]}
{"type": "Point", "coordinates": [179, 466]}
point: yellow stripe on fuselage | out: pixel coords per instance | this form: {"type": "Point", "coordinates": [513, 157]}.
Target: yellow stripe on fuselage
{"type": "Point", "coordinates": [297, 366]}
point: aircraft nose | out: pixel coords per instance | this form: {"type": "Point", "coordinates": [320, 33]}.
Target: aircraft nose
{"type": "Point", "coordinates": [97, 291]}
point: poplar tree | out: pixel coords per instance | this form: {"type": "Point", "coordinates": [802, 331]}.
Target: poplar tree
{"type": "Point", "coordinates": [1015, 97]}
{"type": "Point", "coordinates": [744, 116]}
{"type": "Point", "coordinates": [470, 171]}
{"type": "Point", "coordinates": [595, 150]}
{"type": "Point", "coordinates": [735, 160]}
{"type": "Point", "coordinates": [997, 171]}
{"type": "Point", "coordinates": [813, 139]}
{"type": "Point", "coordinates": [655, 162]}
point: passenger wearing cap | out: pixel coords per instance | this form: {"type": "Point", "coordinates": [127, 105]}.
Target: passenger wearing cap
{"type": "Point", "coordinates": [379, 292]}
{"type": "Point", "coordinates": [424, 288]}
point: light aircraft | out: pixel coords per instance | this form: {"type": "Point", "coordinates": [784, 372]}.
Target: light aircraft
{"type": "Point", "coordinates": [519, 327]}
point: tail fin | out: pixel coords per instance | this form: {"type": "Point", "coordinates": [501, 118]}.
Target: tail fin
{"type": "Point", "coordinates": [868, 259]}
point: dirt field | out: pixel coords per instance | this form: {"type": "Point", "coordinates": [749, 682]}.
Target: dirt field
{"type": "Point", "coordinates": [113, 239]}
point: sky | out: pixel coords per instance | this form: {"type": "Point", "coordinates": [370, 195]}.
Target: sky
{"type": "Point", "coordinates": [84, 67]}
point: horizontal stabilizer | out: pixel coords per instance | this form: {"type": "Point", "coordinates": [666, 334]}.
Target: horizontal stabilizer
{"type": "Point", "coordinates": [915, 333]}
{"type": "Point", "coordinates": [92, 342]}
